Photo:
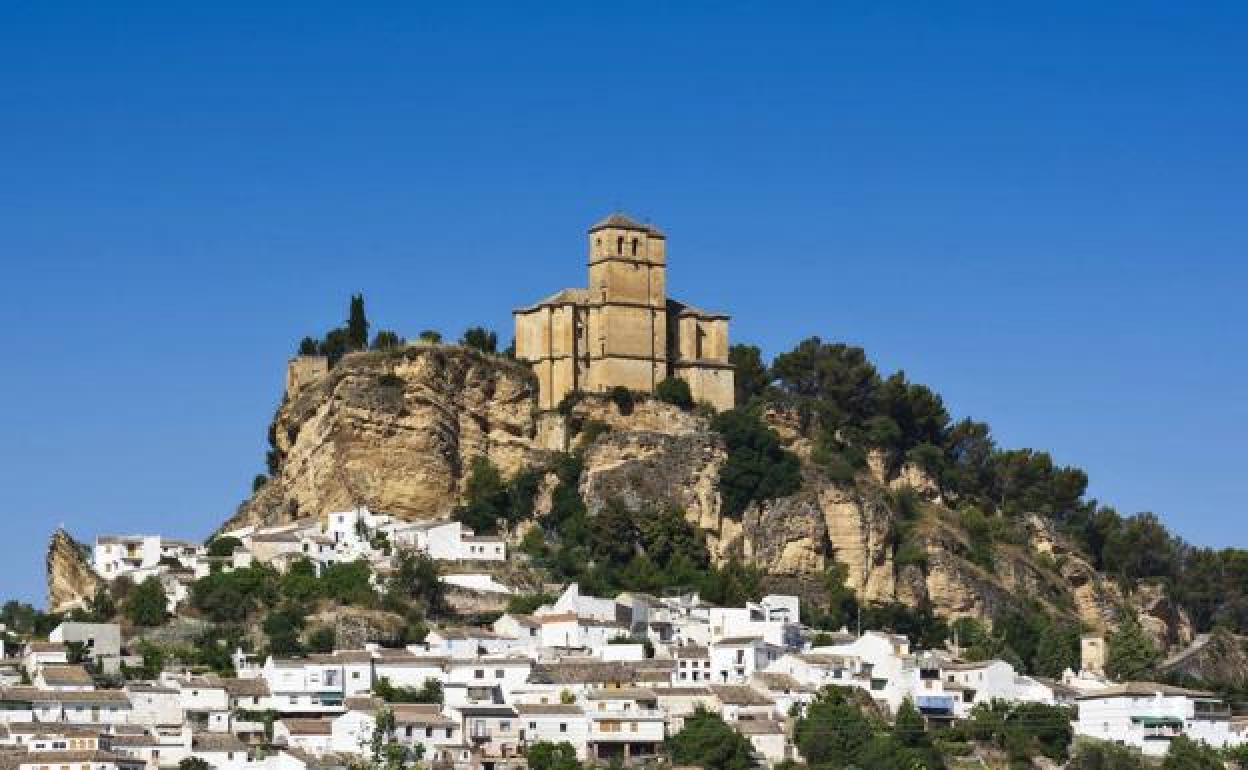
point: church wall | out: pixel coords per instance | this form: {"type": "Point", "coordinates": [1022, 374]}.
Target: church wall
{"type": "Point", "coordinates": [531, 335]}
{"type": "Point", "coordinates": [618, 335]}
{"type": "Point", "coordinates": [715, 340]}
{"type": "Point", "coordinates": [634, 374]}
{"type": "Point", "coordinates": [629, 332]}
{"type": "Point", "coordinates": [710, 385]}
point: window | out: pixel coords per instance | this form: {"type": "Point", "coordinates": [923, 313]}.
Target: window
{"type": "Point", "coordinates": [448, 731]}
{"type": "Point", "coordinates": [498, 673]}
{"type": "Point", "coordinates": [355, 674]}
{"type": "Point", "coordinates": [563, 727]}
{"type": "Point", "coordinates": [504, 726]}
{"type": "Point", "coordinates": [428, 732]}
{"type": "Point", "coordinates": [635, 244]}
{"type": "Point", "coordinates": [478, 674]}
{"type": "Point", "coordinates": [532, 725]}
{"type": "Point", "coordinates": [619, 245]}
{"type": "Point", "coordinates": [408, 731]}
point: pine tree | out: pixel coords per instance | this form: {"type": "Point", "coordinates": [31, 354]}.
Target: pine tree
{"type": "Point", "coordinates": [146, 604]}
{"type": "Point", "coordinates": [1132, 654]}
{"type": "Point", "coordinates": [1057, 649]}
{"type": "Point", "coordinates": [357, 324]}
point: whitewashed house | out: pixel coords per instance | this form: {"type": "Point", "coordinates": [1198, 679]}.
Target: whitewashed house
{"type": "Point", "coordinates": [555, 723]}
{"type": "Point", "coordinates": [1148, 716]}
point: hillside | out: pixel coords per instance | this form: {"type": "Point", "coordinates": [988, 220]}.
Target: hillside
{"type": "Point", "coordinates": [398, 432]}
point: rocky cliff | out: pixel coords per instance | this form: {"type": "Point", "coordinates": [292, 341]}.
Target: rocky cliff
{"type": "Point", "coordinates": [394, 431]}
{"type": "Point", "coordinates": [71, 581]}
{"type": "Point", "coordinates": [1219, 657]}
{"type": "Point", "coordinates": [397, 432]}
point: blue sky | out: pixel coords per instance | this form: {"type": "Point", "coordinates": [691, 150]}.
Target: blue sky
{"type": "Point", "coordinates": [1037, 211]}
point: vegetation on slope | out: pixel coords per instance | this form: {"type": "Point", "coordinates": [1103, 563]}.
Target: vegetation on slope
{"type": "Point", "coordinates": [847, 408]}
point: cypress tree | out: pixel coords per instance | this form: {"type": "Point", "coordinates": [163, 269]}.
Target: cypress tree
{"type": "Point", "coordinates": [357, 324]}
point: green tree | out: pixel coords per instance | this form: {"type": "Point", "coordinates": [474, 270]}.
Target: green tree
{"type": "Point", "coordinates": [1130, 652]}
{"type": "Point", "coordinates": [336, 344]}
{"type": "Point", "coordinates": [282, 626]}
{"type": "Point", "coordinates": [834, 732]}
{"type": "Point", "coordinates": [623, 399]}
{"type": "Point", "coordinates": [416, 578]}
{"type": "Point", "coordinates": [194, 763]}
{"type": "Point", "coordinates": [322, 640]}
{"type": "Point", "coordinates": [221, 547]}
{"type": "Point", "coordinates": [708, 742]}
{"type": "Point", "coordinates": [1186, 754]}
{"type": "Point", "coordinates": [750, 378]}
{"type": "Point", "coordinates": [229, 597]}
{"type": "Point", "coordinates": [675, 391]}
{"type": "Point", "coordinates": [349, 583]}
{"type": "Point", "coordinates": [758, 468]}
{"type": "Point", "coordinates": [480, 338]}
{"type": "Point", "coordinates": [486, 499]}
{"type": "Point", "coordinates": [387, 340]}
{"type": "Point", "coordinates": [384, 751]}
{"type": "Point", "coordinates": [1099, 755]}
{"type": "Point", "coordinates": [544, 755]}
{"type": "Point", "coordinates": [300, 583]}
{"type": "Point", "coordinates": [146, 604]}
{"type": "Point", "coordinates": [357, 324]}
{"type": "Point", "coordinates": [430, 692]}
{"type": "Point", "coordinates": [307, 346]}
{"type": "Point", "coordinates": [430, 336]}
{"type": "Point", "coordinates": [1057, 649]}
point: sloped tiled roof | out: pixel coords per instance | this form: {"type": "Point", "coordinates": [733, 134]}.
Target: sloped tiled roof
{"type": "Point", "coordinates": [622, 221]}
{"type": "Point", "coordinates": [740, 695]}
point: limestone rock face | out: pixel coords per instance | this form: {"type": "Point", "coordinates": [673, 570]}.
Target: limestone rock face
{"type": "Point", "coordinates": [648, 415]}
{"type": "Point", "coordinates": [1220, 657]}
{"type": "Point", "coordinates": [859, 528]}
{"type": "Point", "coordinates": [354, 627]}
{"type": "Point", "coordinates": [1161, 616]}
{"type": "Point", "coordinates": [395, 431]}
{"type": "Point", "coordinates": [71, 581]}
{"type": "Point", "coordinates": [647, 468]}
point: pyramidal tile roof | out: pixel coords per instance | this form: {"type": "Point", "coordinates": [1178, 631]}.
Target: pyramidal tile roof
{"type": "Point", "coordinates": [624, 222]}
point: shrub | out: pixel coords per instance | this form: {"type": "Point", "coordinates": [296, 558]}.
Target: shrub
{"type": "Point", "coordinates": [622, 397]}
{"type": "Point", "coordinates": [322, 640]}
{"type": "Point", "coordinates": [387, 340]}
{"type": "Point", "coordinates": [525, 604]}
{"type": "Point", "coordinates": [480, 338]}
{"type": "Point", "coordinates": [223, 546]}
{"type": "Point", "coordinates": [591, 430]}
{"type": "Point", "coordinates": [675, 391]}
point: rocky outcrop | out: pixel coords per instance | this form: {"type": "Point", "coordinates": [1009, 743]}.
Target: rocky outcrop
{"type": "Point", "coordinates": [354, 627]}
{"type": "Point", "coordinates": [1161, 616]}
{"type": "Point", "coordinates": [641, 469]}
{"type": "Point", "coordinates": [71, 581]}
{"type": "Point", "coordinates": [395, 431]}
{"type": "Point", "coordinates": [1219, 657]}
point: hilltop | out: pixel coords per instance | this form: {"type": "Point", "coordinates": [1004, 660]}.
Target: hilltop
{"type": "Point", "coordinates": [854, 490]}
{"type": "Point", "coordinates": [881, 512]}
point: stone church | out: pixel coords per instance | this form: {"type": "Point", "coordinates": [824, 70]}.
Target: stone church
{"type": "Point", "coordinates": [623, 329]}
